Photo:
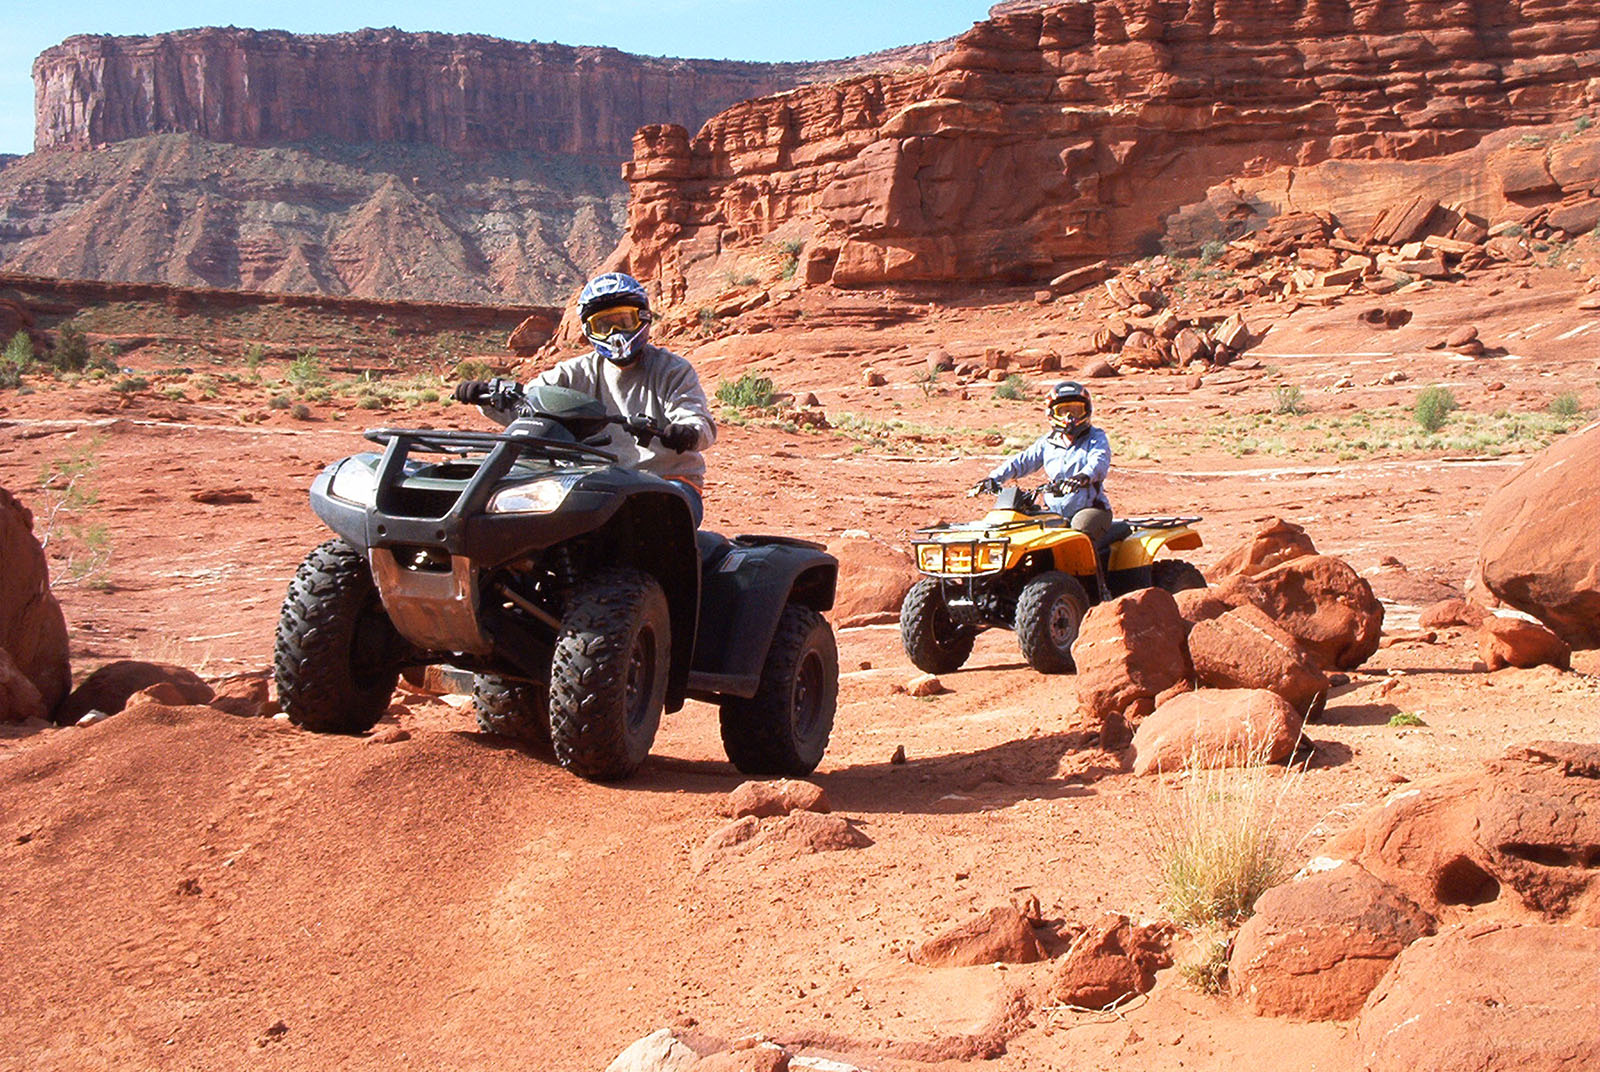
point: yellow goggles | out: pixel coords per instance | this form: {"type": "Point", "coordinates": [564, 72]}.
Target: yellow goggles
{"type": "Point", "coordinates": [623, 318]}
{"type": "Point", "coordinates": [1069, 409]}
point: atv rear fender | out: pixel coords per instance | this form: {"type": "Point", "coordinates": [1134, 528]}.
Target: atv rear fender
{"type": "Point", "coordinates": [1141, 548]}
{"type": "Point", "coordinates": [745, 584]}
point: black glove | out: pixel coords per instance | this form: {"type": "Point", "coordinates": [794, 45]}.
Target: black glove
{"type": "Point", "coordinates": [1075, 482]}
{"type": "Point", "coordinates": [473, 392]}
{"type": "Point", "coordinates": [643, 428]}
{"type": "Point", "coordinates": [680, 437]}
{"type": "Point", "coordinates": [988, 486]}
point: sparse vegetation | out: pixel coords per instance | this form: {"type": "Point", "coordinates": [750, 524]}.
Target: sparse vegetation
{"type": "Point", "coordinates": [1206, 968]}
{"type": "Point", "coordinates": [280, 401]}
{"type": "Point", "coordinates": [1287, 400]}
{"type": "Point", "coordinates": [1566, 405]}
{"type": "Point", "coordinates": [474, 369]}
{"type": "Point", "coordinates": [1406, 718]}
{"type": "Point", "coordinates": [707, 318]}
{"type": "Point", "coordinates": [1216, 838]}
{"type": "Point", "coordinates": [305, 372]}
{"type": "Point", "coordinates": [1212, 251]}
{"type": "Point", "coordinates": [1433, 407]}
{"type": "Point", "coordinates": [1013, 388]}
{"type": "Point", "coordinates": [300, 412]}
{"type": "Point", "coordinates": [749, 391]}
{"type": "Point", "coordinates": [67, 494]}
{"type": "Point", "coordinates": [927, 382]}
{"type": "Point", "coordinates": [131, 385]}
{"type": "Point", "coordinates": [790, 247]}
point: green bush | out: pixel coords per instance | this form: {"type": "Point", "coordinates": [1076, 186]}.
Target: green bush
{"type": "Point", "coordinates": [1013, 388]}
{"type": "Point", "coordinates": [16, 360]}
{"type": "Point", "coordinates": [1287, 399]}
{"type": "Point", "coordinates": [749, 391]}
{"type": "Point", "coordinates": [305, 371]}
{"type": "Point", "coordinates": [130, 385]}
{"type": "Point", "coordinates": [280, 402]}
{"type": "Point", "coordinates": [474, 369]}
{"type": "Point", "coordinates": [1406, 718]}
{"type": "Point", "coordinates": [71, 353]}
{"type": "Point", "coordinates": [300, 412]}
{"type": "Point", "coordinates": [1433, 407]}
{"type": "Point", "coordinates": [1212, 250]}
{"type": "Point", "coordinates": [1566, 404]}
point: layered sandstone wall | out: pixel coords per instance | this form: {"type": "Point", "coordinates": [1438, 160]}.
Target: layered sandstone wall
{"type": "Point", "coordinates": [1053, 134]}
{"type": "Point", "coordinates": [459, 92]}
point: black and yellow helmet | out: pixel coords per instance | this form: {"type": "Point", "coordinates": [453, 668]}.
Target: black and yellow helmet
{"type": "Point", "coordinates": [1069, 407]}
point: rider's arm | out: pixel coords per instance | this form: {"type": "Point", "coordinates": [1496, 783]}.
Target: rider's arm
{"type": "Point", "coordinates": [684, 401]}
{"type": "Point", "coordinates": [1095, 460]}
{"type": "Point", "coordinates": [1025, 461]}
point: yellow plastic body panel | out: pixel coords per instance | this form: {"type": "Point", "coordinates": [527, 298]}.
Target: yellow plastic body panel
{"type": "Point", "coordinates": [1072, 551]}
{"type": "Point", "coordinates": [1140, 549]}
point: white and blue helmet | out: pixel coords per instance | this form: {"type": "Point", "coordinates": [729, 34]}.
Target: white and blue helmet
{"type": "Point", "coordinates": [614, 310]}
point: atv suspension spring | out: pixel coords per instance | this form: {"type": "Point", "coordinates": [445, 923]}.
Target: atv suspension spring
{"type": "Point", "coordinates": [564, 566]}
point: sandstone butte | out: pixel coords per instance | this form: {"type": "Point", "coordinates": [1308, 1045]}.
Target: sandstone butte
{"type": "Point", "coordinates": [462, 92]}
{"type": "Point", "coordinates": [1053, 135]}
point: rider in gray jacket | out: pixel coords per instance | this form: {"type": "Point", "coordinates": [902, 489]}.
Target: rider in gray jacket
{"type": "Point", "coordinates": [1074, 455]}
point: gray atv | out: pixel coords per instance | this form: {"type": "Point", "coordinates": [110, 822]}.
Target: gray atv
{"type": "Point", "coordinates": [575, 590]}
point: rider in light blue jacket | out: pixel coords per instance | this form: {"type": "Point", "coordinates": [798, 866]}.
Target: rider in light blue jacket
{"type": "Point", "coordinates": [1074, 454]}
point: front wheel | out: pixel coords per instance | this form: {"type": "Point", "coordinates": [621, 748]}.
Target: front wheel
{"type": "Point", "coordinates": [784, 728]}
{"type": "Point", "coordinates": [608, 679]}
{"type": "Point", "coordinates": [337, 657]}
{"type": "Point", "coordinates": [933, 641]}
{"type": "Point", "coordinates": [519, 710]}
{"type": "Point", "coordinates": [1175, 575]}
{"type": "Point", "coordinates": [1049, 612]}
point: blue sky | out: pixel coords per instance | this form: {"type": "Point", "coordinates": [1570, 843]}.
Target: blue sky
{"type": "Point", "coordinates": [715, 29]}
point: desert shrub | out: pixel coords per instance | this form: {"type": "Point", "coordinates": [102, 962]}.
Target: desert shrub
{"type": "Point", "coordinates": [71, 352]}
{"type": "Point", "coordinates": [300, 412]}
{"type": "Point", "coordinates": [280, 402]}
{"type": "Point", "coordinates": [1212, 250]}
{"type": "Point", "coordinates": [1566, 404]}
{"type": "Point", "coordinates": [305, 371]}
{"type": "Point", "coordinates": [370, 402]}
{"type": "Point", "coordinates": [1406, 718]}
{"type": "Point", "coordinates": [1433, 407]}
{"type": "Point", "coordinates": [130, 385]}
{"type": "Point", "coordinates": [707, 318]}
{"type": "Point", "coordinates": [1582, 123]}
{"type": "Point", "coordinates": [749, 391]}
{"type": "Point", "coordinates": [1217, 840]}
{"type": "Point", "coordinates": [67, 495]}
{"type": "Point", "coordinates": [204, 385]}
{"type": "Point", "coordinates": [790, 247]}
{"type": "Point", "coordinates": [1287, 399]}
{"type": "Point", "coordinates": [253, 355]}
{"type": "Point", "coordinates": [1206, 967]}
{"type": "Point", "coordinates": [474, 369]}
{"type": "Point", "coordinates": [1013, 388]}
{"type": "Point", "coordinates": [927, 381]}
{"type": "Point", "coordinates": [430, 395]}
{"type": "Point", "coordinates": [16, 360]}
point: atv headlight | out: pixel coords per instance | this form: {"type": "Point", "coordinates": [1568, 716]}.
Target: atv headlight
{"type": "Point", "coordinates": [542, 496]}
{"type": "Point", "coordinates": [930, 557]}
{"type": "Point", "coordinates": [354, 483]}
{"type": "Point", "coordinates": [958, 558]}
{"type": "Point", "coordinates": [991, 557]}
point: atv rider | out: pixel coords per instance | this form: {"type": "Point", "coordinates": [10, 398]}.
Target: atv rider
{"type": "Point", "coordinates": [1075, 456]}
{"type": "Point", "coordinates": [669, 422]}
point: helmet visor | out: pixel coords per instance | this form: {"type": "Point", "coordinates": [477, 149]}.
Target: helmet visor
{"type": "Point", "coordinates": [1069, 410]}
{"type": "Point", "coordinates": [605, 322]}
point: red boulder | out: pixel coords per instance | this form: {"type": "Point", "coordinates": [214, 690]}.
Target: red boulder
{"type": "Point", "coordinates": [1320, 601]}
{"type": "Point", "coordinates": [1487, 995]}
{"type": "Point", "coordinates": [1318, 944]}
{"type": "Point", "coordinates": [1452, 612]}
{"type": "Point", "coordinates": [1128, 652]}
{"type": "Point", "coordinates": [1216, 728]}
{"type": "Point", "coordinates": [1508, 641]}
{"type": "Point", "coordinates": [999, 936]}
{"type": "Point", "coordinates": [874, 577]}
{"type": "Point", "coordinates": [32, 629]}
{"type": "Point", "coordinates": [1539, 547]}
{"type": "Point", "coordinates": [1275, 542]}
{"type": "Point", "coordinates": [1110, 962]}
{"type": "Point", "coordinates": [109, 688]}
{"type": "Point", "coordinates": [1244, 649]}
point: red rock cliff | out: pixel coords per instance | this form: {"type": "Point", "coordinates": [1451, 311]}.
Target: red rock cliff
{"type": "Point", "coordinates": [1053, 134]}
{"type": "Point", "coordinates": [460, 92]}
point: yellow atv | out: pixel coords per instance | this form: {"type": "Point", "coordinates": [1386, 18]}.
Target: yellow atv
{"type": "Point", "coordinates": [1025, 568]}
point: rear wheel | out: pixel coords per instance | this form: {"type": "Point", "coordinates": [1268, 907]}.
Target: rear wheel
{"type": "Point", "coordinates": [337, 656]}
{"type": "Point", "coordinates": [1176, 575]}
{"type": "Point", "coordinates": [784, 728]}
{"type": "Point", "coordinates": [519, 710]}
{"type": "Point", "coordinates": [608, 679]}
{"type": "Point", "coordinates": [1049, 612]}
{"type": "Point", "coordinates": [933, 641]}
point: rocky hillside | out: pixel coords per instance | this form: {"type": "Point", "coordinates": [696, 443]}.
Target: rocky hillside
{"type": "Point", "coordinates": [1052, 135]}
{"type": "Point", "coordinates": [378, 164]}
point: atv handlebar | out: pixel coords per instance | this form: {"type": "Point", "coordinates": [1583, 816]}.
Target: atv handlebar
{"type": "Point", "coordinates": [1076, 482]}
